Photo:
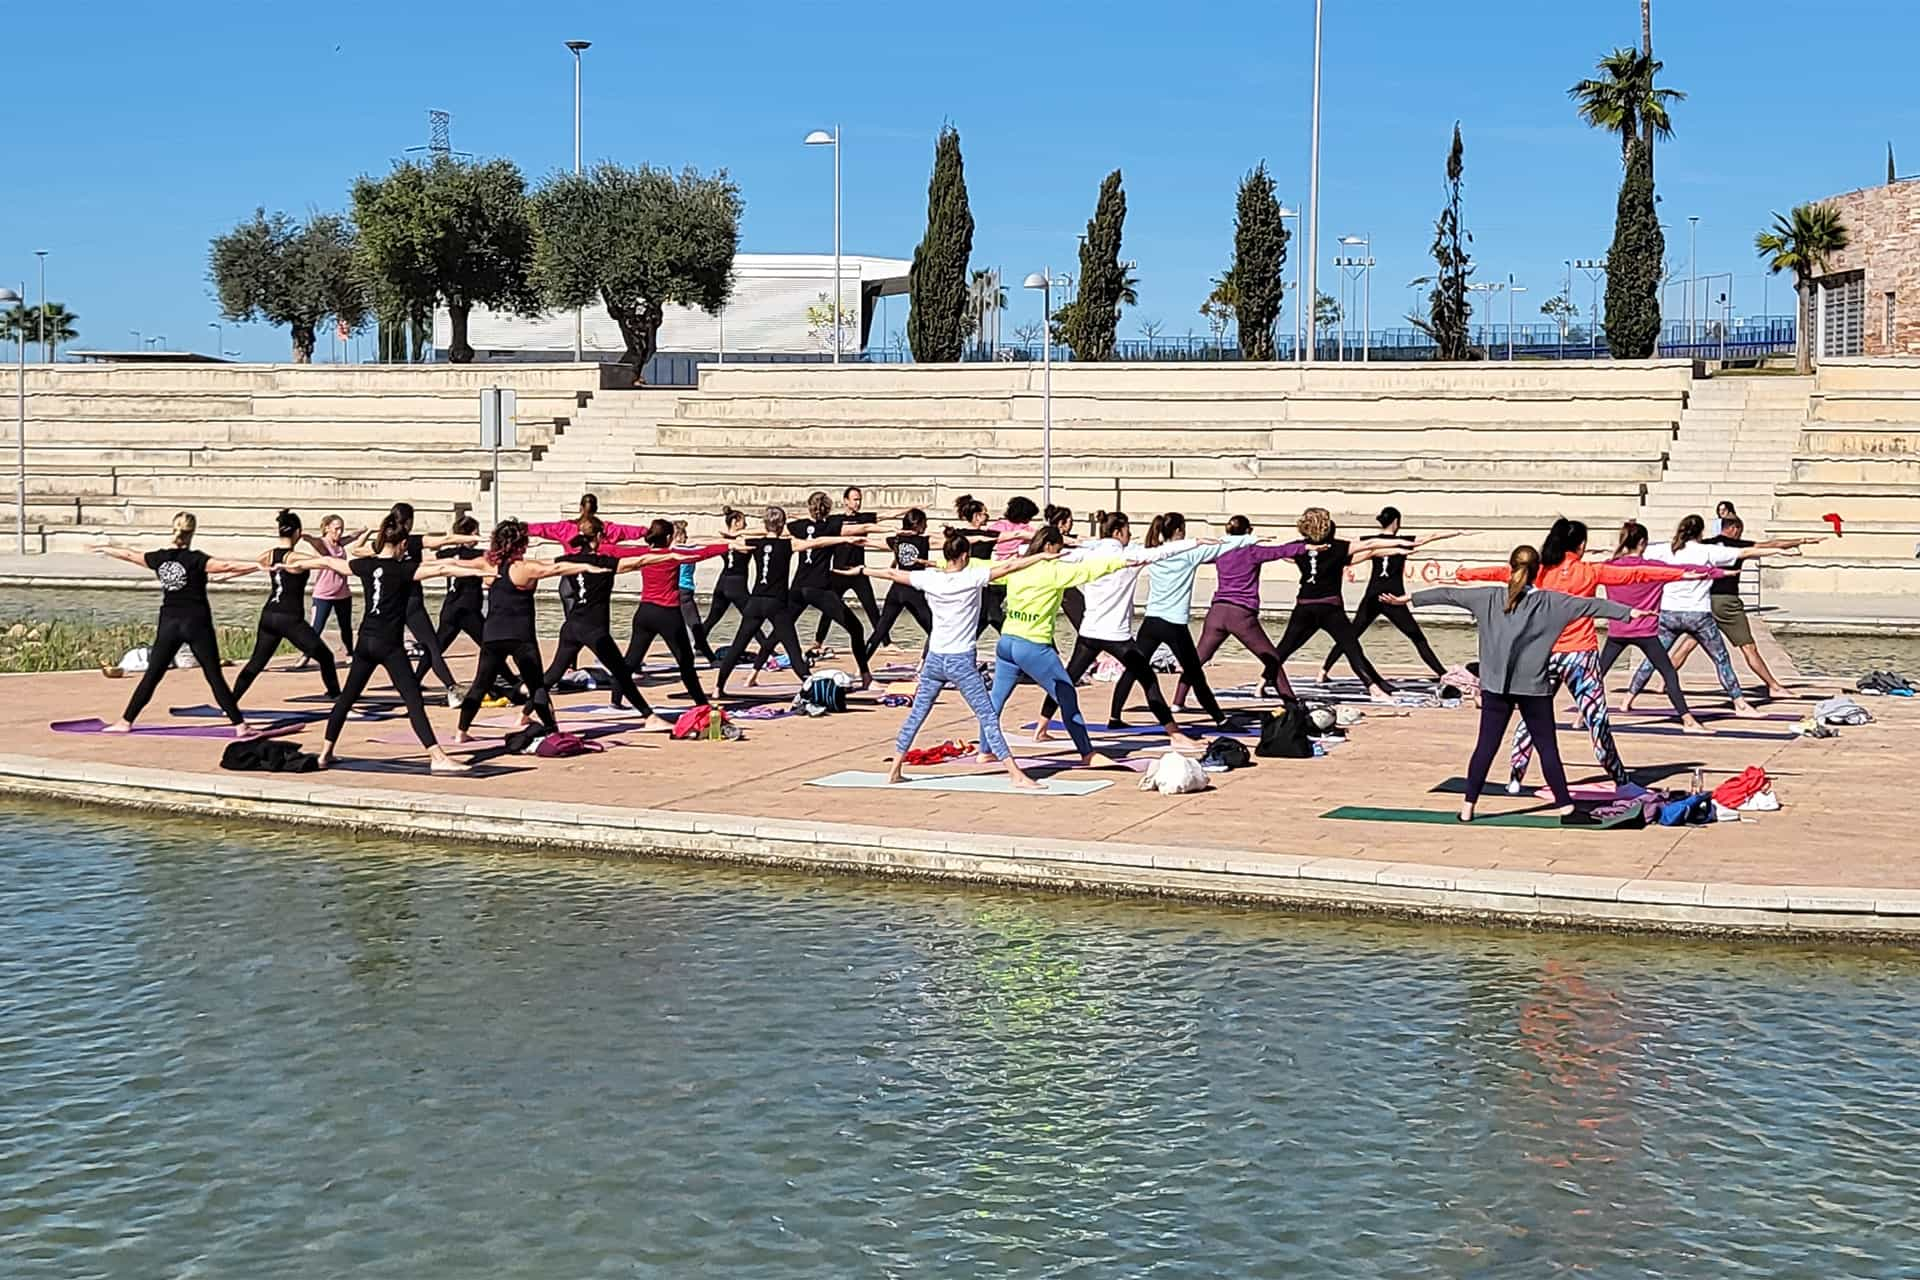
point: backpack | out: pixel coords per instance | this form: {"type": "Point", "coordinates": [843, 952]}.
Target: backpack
{"type": "Point", "coordinates": [1287, 735]}
{"type": "Point", "coordinates": [267, 755]}
{"type": "Point", "coordinates": [564, 744]}
{"type": "Point", "coordinates": [1174, 774]}
{"type": "Point", "coordinates": [1226, 754]}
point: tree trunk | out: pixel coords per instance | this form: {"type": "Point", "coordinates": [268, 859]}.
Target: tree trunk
{"type": "Point", "coordinates": [303, 343]}
{"type": "Point", "coordinates": [640, 330]}
{"type": "Point", "coordinates": [459, 351]}
{"type": "Point", "coordinates": [1803, 328]}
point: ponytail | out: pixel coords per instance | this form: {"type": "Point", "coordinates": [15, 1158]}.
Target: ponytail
{"type": "Point", "coordinates": [729, 518]}
{"type": "Point", "coordinates": [659, 533]}
{"type": "Point", "coordinates": [1165, 528]}
{"type": "Point", "coordinates": [509, 542]}
{"type": "Point", "coordinates": [1564, 539]}
{"type": "Point", "coordinates": [288, 524]}
{"type": "Point", "coordinates": [956, 548]}
{"type": "Point", "coordinates": [1689, 529]}
{"type": "Point", "coordinates": [1523, 566]}
{"type": "Point", "coordinates": [1111, 523]}
{"type": "Point", "coordinates": [586, 538]}
{"type": "Point", "coordinates": [394, 527]}
{"type": "Point", "coordinates": [1045, 538]}
{"type": "Point", "coordinates": [1632, 534]}
{"type": "Point", "coordinates": [589, 505]}
{"type": "Point", "coordinates": [184, 525]}
{"type": "Point", "coordinates": [1059, 517]}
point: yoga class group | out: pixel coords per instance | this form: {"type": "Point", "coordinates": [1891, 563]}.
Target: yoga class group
{"type": "Point", "coordinates": [1016, 574]}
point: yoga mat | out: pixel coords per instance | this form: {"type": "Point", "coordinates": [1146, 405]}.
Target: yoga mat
{"type": "Point", "coordinates": [1666, 713]}
{"type": "Point", "coordinates": [1677, 732]}
{"type": "Point", "coordinates": [207, 711]}
{"type": "Point", "coordinates": [417, 768]}
{"type": "Point", "coordinates": [599, 732]}
{"type": "Point", "coordinates": [1584, 792]}
{"type": "Point", "coordinates": [274, 730]}
{"type": "Point", "coordinates": [995, 783]}
{"type": "Point", "coordinates": [1442, 817]}
{"type": "Point", "coordinates": [1134, 730]}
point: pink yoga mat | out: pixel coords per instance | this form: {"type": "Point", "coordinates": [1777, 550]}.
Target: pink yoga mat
{"type": "Point", "coordinates": [177, 730]}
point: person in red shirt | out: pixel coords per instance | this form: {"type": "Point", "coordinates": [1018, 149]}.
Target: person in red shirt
{"type": "Point", "coordinates": [658, 613]}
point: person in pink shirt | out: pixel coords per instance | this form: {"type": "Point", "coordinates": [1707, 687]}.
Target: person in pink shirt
{"type": "Point", "coordinates": [1643, 633]}
{"type": "Point", "coordinates": [565, 531]}
{"type": "Point", "coordinates": [331, 594]}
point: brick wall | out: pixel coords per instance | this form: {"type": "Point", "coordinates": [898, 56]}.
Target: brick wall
{"type": "Point", "coordinates": [1883, 224]}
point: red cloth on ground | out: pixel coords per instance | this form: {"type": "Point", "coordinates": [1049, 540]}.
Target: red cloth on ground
{"type": "Point", "coordinates": [1742, 787]}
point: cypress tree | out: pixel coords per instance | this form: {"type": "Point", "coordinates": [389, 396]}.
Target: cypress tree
{"type": "Point", "coordinates": [937, 284]}
{"type": "Point", "coordinates": [1447, 308]}
{"type": "Point", "coordinates": [1093, 321]}
{"type": "Point", "coordinates": [1634, 264]}
{"type": "Point", "coordinates": [1257, 280]}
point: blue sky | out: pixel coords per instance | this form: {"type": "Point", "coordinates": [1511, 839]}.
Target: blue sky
{"type": "Point", "coordinates": [168, 123]}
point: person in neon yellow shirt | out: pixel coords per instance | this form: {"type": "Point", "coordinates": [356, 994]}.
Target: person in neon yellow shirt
{"type": "Point", "coordinates": [1026, 639]}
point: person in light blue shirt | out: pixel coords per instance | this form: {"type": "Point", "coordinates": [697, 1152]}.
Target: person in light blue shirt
{"type": "Point", "coordinates": [1170, 608]}
{"type": "Point", "coordinates": [689, 602]}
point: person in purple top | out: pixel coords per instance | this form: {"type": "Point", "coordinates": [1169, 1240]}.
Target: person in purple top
{"type": "Point", "coordinates": [1235, 610]}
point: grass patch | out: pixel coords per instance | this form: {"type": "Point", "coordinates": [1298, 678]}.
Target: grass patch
{"type": "Point", "coordinates": [80, 646]}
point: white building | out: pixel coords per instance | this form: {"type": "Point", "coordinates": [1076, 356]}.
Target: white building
{"type": "Point", "coordinates": [765, 319]}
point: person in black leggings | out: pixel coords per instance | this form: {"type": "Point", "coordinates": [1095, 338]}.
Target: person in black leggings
{"type": "Point", "coordinates": [589, 626]}
{"type": "Point", "coordinates": [658, 613]}
{"type": "Point", "coordinates": [511, 635]}
{"type": "Point", "coordinates": [909, 549]}
{"type": "Point", "coordinates": [1319, 607]}
{"type": "Point", "coordinates": [815, 585]}
{"type": "Point", "coordinates": [982, 542]}
{"type": "Point", "coordinates": [1389, 578]}
{"type": "Point", "coordinates": [463, 610]}
{"type": "Point", "coordinates": [850, 519]}
{"type": "Point", "coordinates": [186, 619]}
{"type": "Point", "coordinates": [769, 608]}
{"type": "Point", "coordinates": [419, 625]}
{"type": "Point", "coordinates": [1074, 602]}
{"type": "Point", "coordinates": [284, 615]}
{"type": "Point", "coordinates": [387, 578]}
{"type": "Point", "coordinates": [731, 589]}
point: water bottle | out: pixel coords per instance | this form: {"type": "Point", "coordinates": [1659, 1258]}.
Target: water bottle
{"type": "Point", "coordinates": [1699, 780]}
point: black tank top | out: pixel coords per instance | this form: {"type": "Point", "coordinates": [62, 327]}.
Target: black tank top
{"type": "Point", "coordinates": [593, 605]}
{"type": "Point", "coordinates": [1389, 575]}
{"type": "Point", "coordinates": [287, 590]}
{"type": "Point", "coordinates": [774, 559]}
{"type": "Point", "coordinates": [734, 566]}
{"type": "Point", "coordinates": [464, 591]}
{"type": "Point", "coordinates": [509, 609]}
{"type": "Point", "coordinates": [417, 553]}
{"type": "Point", "coordinates": [385, 583]}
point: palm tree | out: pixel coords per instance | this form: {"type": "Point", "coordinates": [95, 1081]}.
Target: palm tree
{"type": "Point", "coordinates": [27, 323]}
{"type": "Point", "coordinates": [1624, 98]}
{"type": "Point", "coordinates": [986, 296]}
{"type": "Point", "coordinates": [1801, 242]}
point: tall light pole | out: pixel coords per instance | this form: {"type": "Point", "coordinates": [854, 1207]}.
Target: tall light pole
{"type": "Point", "coordinates": [1693, 275]}
{"type": "Point", "coordinates": [1313, 193]}
{"type": "Point", "coordinates": [1043, 281]}
{"type": "Point", "coordinates": [821, 138]}
{"type": "Point", "coordinates": [219, 337]}
{"type": "Point", "coordinates": [45, 355]}
{"type": "Point", "coordinates": [1594, 268]}
{"type": "Point", "coordinates": [1512, 289]}
{"type": "Point", "coordinates": [1286, 213]}
{"type": "Point", "coordinates": [20, 438]}
{"type": "Point", "coordinates": [579, 315]}
{"type": "Point", "coordinates": [1364, 265]}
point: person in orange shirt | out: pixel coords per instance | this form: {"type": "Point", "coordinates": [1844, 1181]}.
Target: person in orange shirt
{"type": "Point", "coordinates": [1576, 654]}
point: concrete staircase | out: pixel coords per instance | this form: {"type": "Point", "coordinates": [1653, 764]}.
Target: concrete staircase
{"type": "Point", "coordinates": [1735, 444]}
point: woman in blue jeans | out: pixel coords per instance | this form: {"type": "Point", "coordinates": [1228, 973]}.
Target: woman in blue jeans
{"type": "Point", "coordinates": [954, 596]}
{"type": "Point", "coordinates": [1026, 639]}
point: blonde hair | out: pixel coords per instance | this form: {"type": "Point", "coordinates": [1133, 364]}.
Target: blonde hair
{"type": "Point", "coordinates": [679, 530]}
{"type": "Point", "coordinates": [1523, 566]}
{"type": "Point", "coordinates": [184, 525]}
{"type": "Point", "coordinates": [1315, 524]}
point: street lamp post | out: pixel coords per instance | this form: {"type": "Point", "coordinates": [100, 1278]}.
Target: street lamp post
{"type": "Point", "coordinates": [1313, 192]}
{"type": "Point", "coordinates": [1594, 268]}
{"type": "Point", "coordinates": [45, 347]}
{"type": "Point", "coordinates": [1693, 276]}
{"type": "Point", "coordinates": [579, 315]}
{"type": "Point", "coordinates": [1364, 265]}
{"type": "Point", "coordinates": [1043, 281]}
{"type": "Point", "coordinates": [821, 138]}
{"type": "Point", "coordinates": [219, 337]}
{"type": "Point", "coordinates": [1512, 289]}
{"type": "Point", "coordinates": [1286, 213]}
{"type": "Point", "coordinates": [20, 438]}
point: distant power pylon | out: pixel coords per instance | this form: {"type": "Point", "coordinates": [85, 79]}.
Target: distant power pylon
{"type": "Point", "coordinates": [440, 138]}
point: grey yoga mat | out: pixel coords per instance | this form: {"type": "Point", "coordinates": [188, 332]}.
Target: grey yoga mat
{"type": "Point", "coordinates": [991, 782]}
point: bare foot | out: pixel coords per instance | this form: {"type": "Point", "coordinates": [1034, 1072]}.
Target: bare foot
{"type": "Point", "coordinates": [1379, 695]}
{"type": "Point", "coordinates": [244, 729]}
{"type": "Point", "coordinates": [866, 681]}
{"type": "Point", "coordinates": [438, 761]}
{"type": "Point", "coordinates": [1627, 706]}
{"type": "Point", "coordinates": [1691, 724]}
{"type": "Point", "coordinates": [1021, 782]}
{"type": "Point", "coordinates": [1086, 761]}
{"type": "Point", "coordinates": [659, 724]}
{"type": "Point", "coordinates": [326, 756]}
{"type": "Point", "coordinates": [119, 726]}
{"type": "Point", "coordinates": [1042, 734]}
{"type": "Point", "coordinates": [1746, 711]}
{"type": "Point", "coordinates": [1466, 811]}
{"type": "Point", "coordinates": [897, 773]}
{"type": "Point", "coordinates": [753, 678]}
{"type": "Point", "coordinates": [986, 757]}
{"type": "Point", "coordinates": [1777, 691]}
{"type": "Point", "coordinates": [461, 737]}
{"type": "Point", "coordinates": [1183, 742]}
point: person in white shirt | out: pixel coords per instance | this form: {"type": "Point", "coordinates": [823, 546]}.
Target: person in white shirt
{"type": "Point", "coordinates": [953, 594]}
{"type": "Point", "coordinates": [1686, 607]}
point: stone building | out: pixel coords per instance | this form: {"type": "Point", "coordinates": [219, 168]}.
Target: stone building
{"type": "Point", "coordinates": [1868, 302]}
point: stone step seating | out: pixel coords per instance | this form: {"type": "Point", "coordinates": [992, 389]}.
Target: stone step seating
{"type": "Point", "coordinates": [395, 433]}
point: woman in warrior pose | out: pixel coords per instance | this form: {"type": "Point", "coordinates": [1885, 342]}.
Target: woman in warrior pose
{"type": "Point", "coordinates": [1322, 561]}
{"type": "Point", "coordinates": [953, 597]}
{"type": "Point", "coordinates": [1235, 610]}
{"type": "Point", "coordinates": [511, 634]}
{"type": "Point", "coordinates": [589, 626]}
{"type": "Point", "coordinates": [463, 610]}
{"type": "Point", "coordinates": [1389, 578]}
{"type": "Point", "coordinates": [730, 589]}
{"type": "Point", "coordinates": [909, 550]}
{"type": "Point", "coordinates": [686, 596]}
{"type": "Point", "coordinates": [1169, 611]}
{"type": "Point", "coordinates": [658, 613]}
{"type": "Point", "coordinates": [565, 531]}
{"type": "Point", "coordinates": [186, 619]}
{"type": "Point", "coordinates": [331, 594]}
{"type": "Point", "coordinates": [283, 618]}
{"type": "Point", "coordinates": [387, 577]}
{"type": "Point", "coordinates": [769, 607]}
{"type": "Point", "coordinates": [418, 624]}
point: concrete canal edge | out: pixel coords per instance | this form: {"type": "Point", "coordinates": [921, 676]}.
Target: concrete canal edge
{"type": "Point", "coordinates": [1310, 884]}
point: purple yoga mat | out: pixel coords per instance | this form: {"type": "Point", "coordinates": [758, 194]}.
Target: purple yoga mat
{"type": "Point", "coordinates": [176, 730]}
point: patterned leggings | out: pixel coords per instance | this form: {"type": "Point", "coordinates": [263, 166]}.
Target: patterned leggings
{"type": "Point", "coordinates": [1580, 672]}
{"type": "Point", "coordinates": [1706, 633]}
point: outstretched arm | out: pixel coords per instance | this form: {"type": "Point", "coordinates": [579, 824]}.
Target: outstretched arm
{"type": "Point", "coordinates": [447, 569]}
{"type": "Point", "coordinates": [233, 568]}
{"type": "Point", "coordinates": [336, 563]}
{"type": "Point", "coordinates": [448, 540]}
{"type": "Point", "coordinates": [999, 569]}
{"type": "Point", "coordinates": [122, 553]}
{"type": "Point", "coordinates": [888, 575]}
{"type": "Point", "coordinates": [628, 564]}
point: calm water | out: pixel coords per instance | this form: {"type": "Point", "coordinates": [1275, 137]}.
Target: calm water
{"type": "Point", "coordinates": [234, 1055]}
{"type": "Point", "coordinates": [1817, 655]}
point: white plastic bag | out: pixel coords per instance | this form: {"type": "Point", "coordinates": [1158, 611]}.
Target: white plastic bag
{"type": "Point", "coordinates": [1174, 774]}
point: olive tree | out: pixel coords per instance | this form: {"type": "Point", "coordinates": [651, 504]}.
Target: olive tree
{"type": "Point", "coordinates": [296, 274]}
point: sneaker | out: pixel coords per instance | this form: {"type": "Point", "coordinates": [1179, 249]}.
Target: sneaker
{"type": "Point", "coordinates": [1513, 786]}
{"type": "Point", "coordinates": [453, 697]}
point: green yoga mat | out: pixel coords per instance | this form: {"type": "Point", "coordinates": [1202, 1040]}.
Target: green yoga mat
{"type": "Point", "coordinates": [1451, 818]}
{"type": "Point", "coordinates": [994, 782]}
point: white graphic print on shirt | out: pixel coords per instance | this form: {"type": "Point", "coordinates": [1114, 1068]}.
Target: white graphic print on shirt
{"type": "Point", "coordinates": [173, 576]}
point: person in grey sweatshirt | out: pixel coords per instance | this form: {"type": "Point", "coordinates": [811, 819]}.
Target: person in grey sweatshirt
{"type": "Point", "coordinates": [1517, 627]}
